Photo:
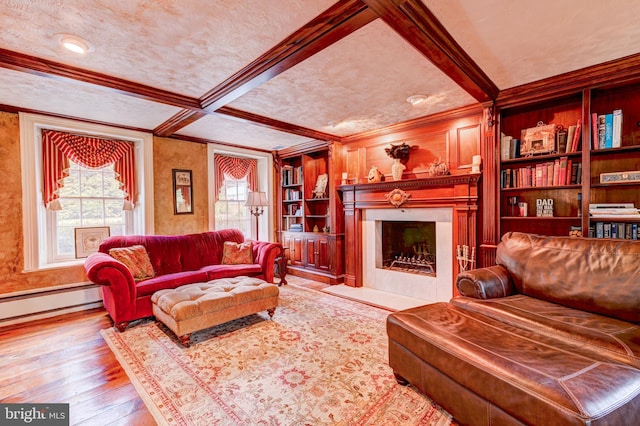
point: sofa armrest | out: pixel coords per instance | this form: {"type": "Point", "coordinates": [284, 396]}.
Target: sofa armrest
{"type": "Point", "coordinates": [485, 283]}
{"type": "Point", "coordinates": [264, 254]}
{"type": "Point", "coordinates": [104, 270]}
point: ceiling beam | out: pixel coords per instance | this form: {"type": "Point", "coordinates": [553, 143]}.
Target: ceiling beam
{"type": "Point", "coordinates": [413, 21]}
{"type": "Point", "coordinates": [45, 68]}
{"type": "Point", "coordinates": [337, 22]}
{"type": "Point", "coordinates": [275, 124]}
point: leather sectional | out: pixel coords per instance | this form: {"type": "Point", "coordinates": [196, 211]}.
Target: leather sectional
{"type": "Point", "coordinates": [548, 336]}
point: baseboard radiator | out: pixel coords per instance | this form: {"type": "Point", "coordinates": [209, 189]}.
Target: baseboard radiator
{"type": "Point", "coordinates": [27, 306]}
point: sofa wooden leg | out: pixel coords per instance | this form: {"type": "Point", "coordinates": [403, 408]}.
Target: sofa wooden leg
{"type": "Point", "coordinates": [121, 326]}
{"type": "Point", "coordinates": [185, 340]}
{"type": "Point", "coordinates": [271, 312]}
{"type": "Point", "coordinates": [401, 380]}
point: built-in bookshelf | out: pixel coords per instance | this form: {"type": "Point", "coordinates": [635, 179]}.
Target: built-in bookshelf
{"type": "Point", "coordinates": [309, 229]}
{"type": "Point", "coordinates": [594, 165]}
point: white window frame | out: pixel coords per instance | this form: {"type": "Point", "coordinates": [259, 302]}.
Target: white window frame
{"type": "Point", "coordinates": [265, 184]}
{"type": "Point", "coordinates": [52, 234]}
{"type": "Point", "coordinates": [34, 215]}
{"type": "Point", "coordinates": [249, 216]}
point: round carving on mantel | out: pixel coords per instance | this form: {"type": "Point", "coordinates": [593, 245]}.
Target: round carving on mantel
{"type": "Point", "coordinates": [397, 197]}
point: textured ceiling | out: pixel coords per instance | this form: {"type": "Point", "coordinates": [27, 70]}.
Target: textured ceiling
{"type": "Point", "coordinates": [519, 41]}
{"type": "Point", "coordinates": [176, 53]}
{"type": "Point", "coordinates": [367, 77]}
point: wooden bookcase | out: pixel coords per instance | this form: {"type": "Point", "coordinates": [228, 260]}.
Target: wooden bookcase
{"type": "Point", "coordinates": [568, 210]}
{"type": "Point", "coordinates": [310, 225]}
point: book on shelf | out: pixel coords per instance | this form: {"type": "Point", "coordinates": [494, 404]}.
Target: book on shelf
{"type": "Point", "coordinates": [575, 144]}
{"type": "Point", "coordinates": [601, 131]}
{"type": "Point", "coordinates": [295, 227]}
{"type": "Point", "coordinates": [514, 148]}
{"type": "Point", "coordinates": [608, 130]}
{"type": "Point", "coordinates": [571, 131]}
{"type": "Point", "coordinates": [561, 139]}
{"type": "Point", "coordinates": [616, 133]}
{"type": "Point", "coordinates": [505, 146]}
{"type": "Point", "coordinates": [594, 131]}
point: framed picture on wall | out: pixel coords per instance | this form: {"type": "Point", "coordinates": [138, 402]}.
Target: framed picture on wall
{"type": "Point", "coordinates": [88, 240]}
{"type": "Point", "coordinates": [182, 192]}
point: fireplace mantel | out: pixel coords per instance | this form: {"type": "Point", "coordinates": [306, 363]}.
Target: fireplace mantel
{"type": "Point", "coordinates": [459, 192]}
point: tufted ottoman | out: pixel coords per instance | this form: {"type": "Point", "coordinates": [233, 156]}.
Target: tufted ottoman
{"type": "Point", "coordinates": [194, 307]}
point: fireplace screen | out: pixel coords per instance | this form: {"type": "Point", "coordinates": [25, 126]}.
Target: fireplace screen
{"type": "Point", "coordinates": [409, 246]}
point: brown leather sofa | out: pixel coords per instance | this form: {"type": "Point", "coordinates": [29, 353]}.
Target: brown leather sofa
{"type": "Point", "coordinates": [548, 336]}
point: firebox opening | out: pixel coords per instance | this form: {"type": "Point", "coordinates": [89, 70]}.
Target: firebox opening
{"type": "Point", "coordinates": [409, 247]}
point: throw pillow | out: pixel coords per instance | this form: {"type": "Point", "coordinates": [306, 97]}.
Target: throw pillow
{"type": "Point", "coordinates": [136, 260]}
{"type": "Point", "coordinates": [236, 254]}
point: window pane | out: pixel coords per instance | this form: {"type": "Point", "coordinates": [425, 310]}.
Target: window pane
{"type": "Point", "coordinates": [66, 240]}
{"type": "Point", "coordinates": [113, 213]}
{"type": "Point", "coordinates": [70, 213]}
{"type": "Point", "coordinates": [92, 212]}
{"type": "Point", "coordinates": [71, 186]}
{"type": "Point", "coordinates": [91, 184]}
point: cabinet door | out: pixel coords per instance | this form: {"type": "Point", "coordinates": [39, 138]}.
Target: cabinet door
{"type": "Point", "coordinates": [296, 250]}
{"type": "Point", "coordinates": [317, 251]}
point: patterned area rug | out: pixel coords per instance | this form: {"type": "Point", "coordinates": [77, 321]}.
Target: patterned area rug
{"type": "Point", "coordinates": [321, 361]}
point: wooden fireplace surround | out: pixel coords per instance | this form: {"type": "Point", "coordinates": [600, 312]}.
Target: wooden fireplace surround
{"type": "Point", "coordinates": [459, 192]}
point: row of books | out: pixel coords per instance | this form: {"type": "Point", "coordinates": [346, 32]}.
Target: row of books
{"type": "Point", "coordinates": [292, 195]}
{"type": "Point", "coordinates": [625, 231]}
{"type": "Point", "coordinates": [291, 175]}
{"type": "Point", "coordinates": [294, 210]}
{"type": "Point", "coordinates": [561, 171]}
{"type": "Point", "coordinates": [606, 130]}
{"type": "Point", "coordinates": [295, 227]}
{"type": "Point", "coordinates": [544, 139]}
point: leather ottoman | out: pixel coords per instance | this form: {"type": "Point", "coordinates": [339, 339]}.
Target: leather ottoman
{"type": "Point", "coordinates": [194, 307]}
{"type": "Point", "coordinates": [486, 372]}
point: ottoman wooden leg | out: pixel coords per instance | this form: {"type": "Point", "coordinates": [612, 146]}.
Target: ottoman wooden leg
{"type": "Point", "coordinates": [271, 312]}
{"type": "Point", "coordinates": [121, 326]}
{"type": "Point", "coordinates": [184, 339]}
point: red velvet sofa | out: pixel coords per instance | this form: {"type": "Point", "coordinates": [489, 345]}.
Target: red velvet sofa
{"type": "Point", "coordinates": [176, 260]}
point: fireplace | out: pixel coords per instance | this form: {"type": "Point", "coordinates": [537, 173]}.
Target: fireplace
{"type": "Point", "coordinates": [450, 202]}
{"type": "Point", "coordinates": [408, 246]}
{"type": "Point", "coordinates": [411, 226]}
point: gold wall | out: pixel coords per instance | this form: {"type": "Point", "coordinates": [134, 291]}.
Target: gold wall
{"type": "Point", "coordinates": [168, 154]}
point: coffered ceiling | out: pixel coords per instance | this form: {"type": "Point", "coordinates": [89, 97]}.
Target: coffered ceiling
{"type": "Point", "coordinates": [272, 74]}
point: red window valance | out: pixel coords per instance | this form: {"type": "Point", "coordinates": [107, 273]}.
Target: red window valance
{"type": "Point", "coordinates": [90, 152]}
{"type": "Point", "coordinates": [235, 168]}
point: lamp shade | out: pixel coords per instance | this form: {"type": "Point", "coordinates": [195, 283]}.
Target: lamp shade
{"type": "Point", "coordinates": [257, 199]}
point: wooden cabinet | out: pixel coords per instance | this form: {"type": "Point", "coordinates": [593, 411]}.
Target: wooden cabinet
{"type": "Point", "coordinates": [571, 198]}
{"type": "Point", "coordinates": [310, 220]}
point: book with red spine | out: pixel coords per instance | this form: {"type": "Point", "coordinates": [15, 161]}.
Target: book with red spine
{"type": "Point", "coordinates": [576, 136]}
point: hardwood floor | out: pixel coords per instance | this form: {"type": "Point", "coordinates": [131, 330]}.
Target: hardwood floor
{"type": "Point", "coordinates": [65, 360]}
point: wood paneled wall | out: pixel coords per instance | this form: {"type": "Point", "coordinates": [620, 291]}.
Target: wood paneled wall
{"type": "Point", "coordinates": [453, 138]}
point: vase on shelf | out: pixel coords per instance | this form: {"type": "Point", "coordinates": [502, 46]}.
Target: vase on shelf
{"type": "Point", "coordinates": [397, 169]}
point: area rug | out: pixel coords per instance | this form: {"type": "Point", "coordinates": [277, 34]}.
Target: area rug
{"type": "Point", "coordinates": [322, 360]}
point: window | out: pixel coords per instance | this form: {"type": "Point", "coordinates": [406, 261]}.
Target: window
{"type": "Point", "coordinates": [230, 209]}
{"type": "Point", "coordinates": [43, 248]}
{"type": "Point", "coordinates": [89, 198]}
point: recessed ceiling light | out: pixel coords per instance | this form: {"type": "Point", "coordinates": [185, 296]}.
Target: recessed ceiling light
{"type": "Point", "coordinates": [74, 43]}
{"type": "Point", "coordinates": [417, 99]}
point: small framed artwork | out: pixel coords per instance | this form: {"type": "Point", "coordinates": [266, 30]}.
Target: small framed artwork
{"type": "Point", "coordinates": [182, 192]}
{"type": "Point", "coordinates": [538, 140]}
{"type": "Point", "coordinates": [89, 239]}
